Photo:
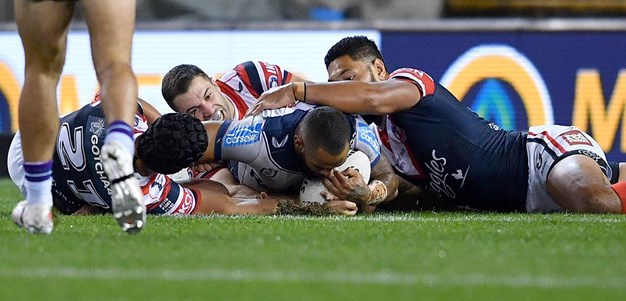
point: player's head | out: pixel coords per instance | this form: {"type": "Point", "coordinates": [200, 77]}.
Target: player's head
{"type": "Point", "coordinates": [188, 89]}
{"type": "Point", "coordinates": [355, 58]}
{"type": "Point", "coordinates": [173, 142]}
{"type": "Point", "coordinates": [323, 139]}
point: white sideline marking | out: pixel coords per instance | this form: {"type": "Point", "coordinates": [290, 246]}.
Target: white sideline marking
{"type": "Point", "coordinates": [380, 278]}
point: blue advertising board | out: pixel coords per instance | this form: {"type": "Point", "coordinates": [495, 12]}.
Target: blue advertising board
{"type": "Point", "coordinates": [519, 79]}
{"type": "Point", "coordinates": [515, 78]}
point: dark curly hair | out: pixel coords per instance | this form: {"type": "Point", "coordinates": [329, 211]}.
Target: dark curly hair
{"type": "Point", "coordinates": [358, 48]}
{"type": "Point", "coordinates": [172, 142]}
{"type": "Point", "coordinates": [327, 128]}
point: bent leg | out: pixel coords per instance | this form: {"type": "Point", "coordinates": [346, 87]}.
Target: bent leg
{"type": "Point", "coordinates": [578, 184]}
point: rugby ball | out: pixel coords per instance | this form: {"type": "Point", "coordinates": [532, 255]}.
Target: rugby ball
{"type": "Point", "coordinates": [312, 187]}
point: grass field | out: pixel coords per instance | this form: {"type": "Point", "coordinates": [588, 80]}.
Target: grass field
{"type": "Point", "coordinates": [427, 256]}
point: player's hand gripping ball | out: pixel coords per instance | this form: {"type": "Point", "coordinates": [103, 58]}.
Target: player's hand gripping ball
{"type": "Point", "coordinates": [312, 187]}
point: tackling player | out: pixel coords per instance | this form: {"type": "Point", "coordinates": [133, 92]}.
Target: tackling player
{"type": "Point", "coordinates": [437, 142]}
{"type": "Point", "coordinates": [188, 89]}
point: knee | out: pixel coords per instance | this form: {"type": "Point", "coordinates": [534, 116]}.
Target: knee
{"type": "Point", "coordinates": [114, 70]}
{"type": "Point", "coordinates": [46, 60]}
{"type": "Point", "coordinates": [577, 184]}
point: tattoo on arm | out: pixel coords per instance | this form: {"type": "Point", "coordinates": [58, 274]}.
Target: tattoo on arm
{"type": "Point", "coordinates": [289, 207]}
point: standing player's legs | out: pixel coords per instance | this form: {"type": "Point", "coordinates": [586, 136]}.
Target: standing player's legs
{"type": "Point", "coordinates": [578, 184]}
{"type": "Point", "coordinates": [43, 29]}
{"type": "Point", "coordinates": [111, 25]}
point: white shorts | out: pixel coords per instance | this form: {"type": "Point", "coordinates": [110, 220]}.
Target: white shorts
{"type": "Point", "coordinates": [546, 145]}
{"type": "Point", "coordinates": [15, 163]}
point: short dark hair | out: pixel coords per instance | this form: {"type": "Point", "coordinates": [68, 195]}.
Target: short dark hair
{"type": "Point", "coordinates": [174, 141]}
{"type": "Point", "coordinates": [177, 81]}
{"type": "Point", "coordinates": [326, 128]}
{"type": "Point", "coordinates": [357, 47]}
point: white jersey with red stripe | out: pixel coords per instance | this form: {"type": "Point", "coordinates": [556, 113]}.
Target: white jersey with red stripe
{"type": "Point", "coordinates": [164, 196]}
{"type": "Point", "coordinates": [396, 150]}
{"type": "Point", "coordinates": [247, 81]}
{"type": "Point", "coordinates": [243, 85]}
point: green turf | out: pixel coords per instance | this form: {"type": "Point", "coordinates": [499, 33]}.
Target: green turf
{"type": "Point", "coordinates": [428, 256]}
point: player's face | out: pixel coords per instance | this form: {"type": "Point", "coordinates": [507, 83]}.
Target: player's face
{"type": "Point", "coordinates": [320, 162]}
{"type": "Point", "coordinates": [204, 101]}
{"type": "Point", "coordinates": [345, 68]}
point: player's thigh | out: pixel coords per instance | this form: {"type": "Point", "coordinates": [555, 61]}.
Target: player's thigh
{"type": "Point", "coordinates": [43, 27]}
{"type": "Point", "coordinates": [111, 25]}
{"type": "Point", "coordinates": [577, 180]}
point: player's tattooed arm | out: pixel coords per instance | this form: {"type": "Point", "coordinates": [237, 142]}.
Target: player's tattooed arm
{"type": "Point", "coordinates": [348, 185]}
{"type": "Point", "coordinates": [383, 179]}
{"type": "Point", "coordinates": [291, 207]}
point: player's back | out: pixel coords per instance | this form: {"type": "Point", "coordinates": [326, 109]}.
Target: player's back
{"type": "Point", "coordinates": [261, 149]}
{"type": "Point", "coordinates": [264, 151]}
{"type": "Point", "coordinates": [461, 154]}
{"type": "Point", "coordinates": [77, 171]}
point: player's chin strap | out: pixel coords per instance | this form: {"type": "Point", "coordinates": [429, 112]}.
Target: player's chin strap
{"type": "Point", "coordinates": [378, 192]}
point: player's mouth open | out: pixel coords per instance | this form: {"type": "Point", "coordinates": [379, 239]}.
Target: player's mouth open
{"type": "Point", "coordinates": [218, 115]}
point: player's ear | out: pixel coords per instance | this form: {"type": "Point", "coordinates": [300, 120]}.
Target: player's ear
{"type": "Point", "coordinates": [379, 69]}
{"type": "Point", "coordinates": [298, 144]}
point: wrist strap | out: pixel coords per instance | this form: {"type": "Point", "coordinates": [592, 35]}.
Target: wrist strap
{"type": "Point", "coordinates": [378, 192]}
{"type": "Point", "coordinates": [297, 89]}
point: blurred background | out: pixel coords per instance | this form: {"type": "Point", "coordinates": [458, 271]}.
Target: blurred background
{"type": "Point", "coordinates": [516, 62]}
{"type": "Point", "coordinates": [362, 10]}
